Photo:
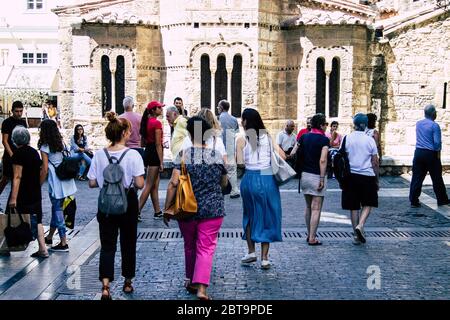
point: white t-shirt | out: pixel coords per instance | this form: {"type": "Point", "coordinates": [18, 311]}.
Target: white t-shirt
{"type": "Point", "coordinates": [285, 140]}
{"type": "Point", "coordinates": [132, 165]}
{"type": "Point", "coordinates": [360, 149]}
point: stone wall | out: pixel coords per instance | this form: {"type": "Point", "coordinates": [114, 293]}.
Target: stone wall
{"type": "Point", "coordinates": [417, 68]}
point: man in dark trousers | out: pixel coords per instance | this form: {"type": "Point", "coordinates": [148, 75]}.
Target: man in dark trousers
{"type": "Point", "coordinates": [7, 128]}
{"type": "Point", "coordinates": [427, 158]}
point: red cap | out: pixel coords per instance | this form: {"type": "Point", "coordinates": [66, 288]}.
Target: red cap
{"type": "Point", "coordinates": [154, 104]}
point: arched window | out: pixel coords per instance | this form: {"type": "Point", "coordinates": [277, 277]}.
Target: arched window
{"type": "Point", "coordinates": [334, 88]}
{"type": "Point", "coordinates": [320, 85]}
{"type": "Point", "coordinates": [106, 86]}
{"type": "Point", "coordinates": [236, 87]}
{"type": "Point", "coordinates": [205, 82]}
{"type": "Point", "coordinates": [120, 84]}
{"type": "Point", "coordinates": [221, 80]}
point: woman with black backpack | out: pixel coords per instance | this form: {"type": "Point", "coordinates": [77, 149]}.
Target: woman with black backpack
{"type": "Point", "coordinates": [130, 169]}
{"type": "Point", "coordinates": [52, 146]}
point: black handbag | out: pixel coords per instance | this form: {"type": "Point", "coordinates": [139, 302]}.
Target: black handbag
{"type": "Point", "coordinates": [68, 168]}
{"type": "Point", "coordinates": [17, 238]}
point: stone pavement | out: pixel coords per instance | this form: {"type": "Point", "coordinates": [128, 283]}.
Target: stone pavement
{"type": "Point", "coordinates": [406, 256]}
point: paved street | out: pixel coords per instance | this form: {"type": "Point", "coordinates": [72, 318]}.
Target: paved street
{"type": "Point", "coordinates": [407, 251]}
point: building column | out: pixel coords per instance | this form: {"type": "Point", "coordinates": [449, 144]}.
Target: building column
{"type": "Point", "coordinates": [327, 94]}
{"type": "Point", "coordinates": [113, 90]}
{"type": "Point", "coordinates": [213, 89]}
{"type": "Point", "coordinates": [229, 73]}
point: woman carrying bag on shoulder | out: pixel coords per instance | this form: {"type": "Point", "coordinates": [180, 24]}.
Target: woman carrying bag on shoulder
{"type": "Point", "coordinates": [118, 132]}
{"type": "Point", "coordinates": [208, 177]}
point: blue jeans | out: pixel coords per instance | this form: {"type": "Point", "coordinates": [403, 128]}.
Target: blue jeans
{"type": "Point", "coordinates": [82, 156]}
{"type": "Point", "coordinates": [57, 220]}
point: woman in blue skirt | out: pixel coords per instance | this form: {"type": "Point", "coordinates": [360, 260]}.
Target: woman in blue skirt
{"type": "Point", "coordinates": [259, 191]}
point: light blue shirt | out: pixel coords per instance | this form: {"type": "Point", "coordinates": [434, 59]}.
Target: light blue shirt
{"type": "Point", "coordinates": [428, 135]}
{"type": "Point", "coordinates": [58, 189]}
{"type": "Point", "coordinates": [230, 127]}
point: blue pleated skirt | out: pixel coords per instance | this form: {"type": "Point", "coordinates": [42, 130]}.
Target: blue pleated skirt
{"type": "Point", "coordinates": [262, 206]}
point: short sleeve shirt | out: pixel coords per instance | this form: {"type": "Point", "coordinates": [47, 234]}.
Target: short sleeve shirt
{"type": "Point", "coordinates": [205, 169]}
{"type": "Point", "coordinates": [132, 165]}
{"type": "Point", "coordinates": [311, 145]}
{"type": "Point", "coordinates": [30, 187]}
{"type": "Point", "coordinates": [7, 128]}
{"type": "Point", "coordinates": [153, 124]}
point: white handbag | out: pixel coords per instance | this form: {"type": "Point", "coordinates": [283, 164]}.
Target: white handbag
{"type": "Point", "coordinates": [282, 171]}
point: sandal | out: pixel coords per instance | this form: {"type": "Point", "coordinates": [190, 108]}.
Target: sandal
{"type": "Point", "coordinates": [315, 243]}
{"type": "Point", "coordinates": [204, 297]}
{"type": "Point", "coordinates": [127, 287]}
{"type": "Point", "coordinates": [107, 296]}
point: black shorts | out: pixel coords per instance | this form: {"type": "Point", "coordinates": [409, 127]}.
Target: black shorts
{"type": "Point", "coordinates": [361, 191]}
{"type": "Point", "coordinates": [7, 168]}
{"type": "Point", "coordinates": [151, 158]}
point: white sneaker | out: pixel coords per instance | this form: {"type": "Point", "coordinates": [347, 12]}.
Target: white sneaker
{"type": "Point", "coordinates": [249, 258]}
{"type": "Point", "coordinates": [265, 264]}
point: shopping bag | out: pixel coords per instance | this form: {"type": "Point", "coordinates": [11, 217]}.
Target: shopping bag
{"type": "Point", "coordinates": [69, 210]}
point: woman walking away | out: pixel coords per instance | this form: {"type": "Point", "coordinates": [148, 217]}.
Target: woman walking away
{"type": "Point", "coordinates": [26, 188]}
{"type": "Point", "coordinates": [208, 176]}
{"type": "Point", "coordinates": [313, 150]}
{"type": "Point", "coordinates": [51, 146]}
{"type": "Point", "coordinates": [110, 225]}
{"type": "Point", "coordinates": [260, 193]}
{"type": "Point", "coordinates": [152, 133]}
{"type": "Point", "coordinates": [79, 149]}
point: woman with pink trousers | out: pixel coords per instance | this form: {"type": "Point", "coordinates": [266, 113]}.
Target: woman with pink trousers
{"type": "Point", "coordinates": [208, 176]}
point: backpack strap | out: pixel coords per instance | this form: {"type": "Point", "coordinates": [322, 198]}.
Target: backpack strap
{"type": "Point", "coordinates": [110, 158]}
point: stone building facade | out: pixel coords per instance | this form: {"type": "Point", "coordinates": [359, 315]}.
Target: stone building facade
{"type": "Point", "coordinates": [287, 58]}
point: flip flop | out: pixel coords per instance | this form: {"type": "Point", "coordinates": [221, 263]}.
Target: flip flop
{"type": "Point", "coordinates": [315, 243]}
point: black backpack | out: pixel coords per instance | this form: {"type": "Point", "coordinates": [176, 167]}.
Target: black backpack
{"type": "Point", "coordinates": [68, 168]}
{"type": "Point", "coordinates": [341, 166]}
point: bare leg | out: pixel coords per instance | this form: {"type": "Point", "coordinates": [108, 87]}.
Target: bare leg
{"type": "Point", "coordinates": [250, 243]}
{"type": "Point", "coordinates": [201, 291]}
{"type": "Point", "coordinates": [51, 232]}
{"type": "Point", "coordinates": [316, 208]}
{"type": "Point", "coordinates": [365, 211]}
{"type": "Point", "coordinates": [63, 240]}
{"type": "Point", "coordinates": [154, 193]}
{"type": "Point", "coordinates": [148, 186]}
{"type": "Point", "coordinates": [354, 215]}
{"type": "Point", "coordinates": [308, 200]}
{"type": "Point", "coordinates": [265, 250]}
{"type": "Point", "coordinates": [40, 239]}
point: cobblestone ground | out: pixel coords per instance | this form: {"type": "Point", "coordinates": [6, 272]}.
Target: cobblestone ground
{"type": "Point", "coordinates": [410, 267]}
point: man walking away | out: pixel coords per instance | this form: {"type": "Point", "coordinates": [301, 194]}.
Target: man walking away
{"type": "Point", "coordinates": [427, 158]}
{"type": "Point", "coordinates": [7, 128]}
{"type": "Point", "coordinates": [230, 128]}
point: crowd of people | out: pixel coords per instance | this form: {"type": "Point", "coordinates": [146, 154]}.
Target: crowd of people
{"type": "Point", "coordinates": [211, 148]}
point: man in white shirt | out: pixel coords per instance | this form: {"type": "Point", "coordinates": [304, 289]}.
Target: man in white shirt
{"type": "Point", "coordinates": [286, 141]}
{"type": "Point", "coordinates": [360, 194]}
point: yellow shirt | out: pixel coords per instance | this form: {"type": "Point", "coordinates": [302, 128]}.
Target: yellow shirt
{"type": "Point", "coordinates": [179, 134]}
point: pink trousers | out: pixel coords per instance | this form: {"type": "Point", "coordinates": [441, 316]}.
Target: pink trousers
{"type": "Point", "coordinates": [200, 240]}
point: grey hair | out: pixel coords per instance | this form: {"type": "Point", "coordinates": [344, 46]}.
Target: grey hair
{"type": "Point", "coordinates": [20, 136]}
{"type": "Point", "coordinates": [429, 111]}
{"type": "Point", "coordinates": [128, 102]}
{"type": "Point", "coordinates": [290, 121]}
{"type": "Point", "coordinates": [172, 109]}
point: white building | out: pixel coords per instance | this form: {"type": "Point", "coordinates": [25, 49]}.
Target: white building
{"type": "Point", "coordinates": [29, 49]}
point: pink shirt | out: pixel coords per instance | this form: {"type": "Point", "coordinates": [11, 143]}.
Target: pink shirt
{"type": "Point", "coordinates": [135, 137]}
{"type": "Point", "coordinates": [336, 143]}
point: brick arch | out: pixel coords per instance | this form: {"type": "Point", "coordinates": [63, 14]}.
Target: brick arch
{"type": "Point", "coordinates": [228, 49]}
{"type": "Point", "coordinates": [113, 51]}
